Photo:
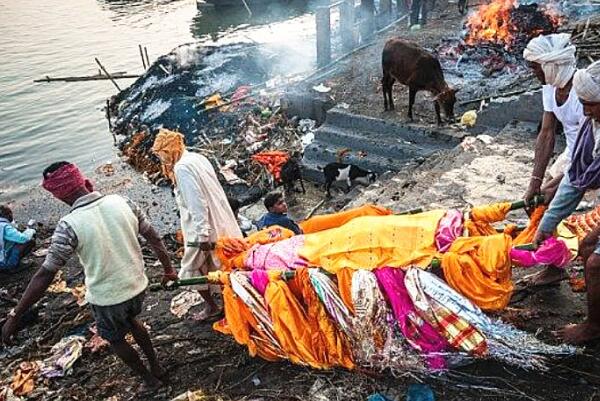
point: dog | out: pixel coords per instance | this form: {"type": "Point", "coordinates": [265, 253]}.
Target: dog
{"type": "Point", "coordinates": [345, 172]}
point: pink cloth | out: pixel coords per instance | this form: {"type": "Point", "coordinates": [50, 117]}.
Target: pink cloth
{"type": "Point", "coordinates": [66, 180]}
{"type": "Point", "coordinates": [449, 228]}
{"type": "Point", "coordinates": [281, 255]}
{"type": "Point", "coordinates": [551, 252]}
{"type": "Point", "coordinates": [259, 279]}
{"type": "Point", "coordinates": [417, 332]}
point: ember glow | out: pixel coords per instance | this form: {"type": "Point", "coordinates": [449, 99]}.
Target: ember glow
{"type": "Point", "coordinates": [507, 23]}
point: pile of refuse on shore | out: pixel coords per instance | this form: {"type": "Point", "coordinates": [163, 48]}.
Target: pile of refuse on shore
{"type": "Point", "coordinates": [223, 114]}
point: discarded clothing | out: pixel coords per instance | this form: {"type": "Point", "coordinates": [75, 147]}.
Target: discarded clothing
{"type": "Point", "coordinates": [184, 301]}
{"type": "Point", "coordinates": [23, 381]}
{"type": "Point", "coordinates": [480, 269]}
{"type": "Point", "coordinates": [551, 252]}
{"type": "Point", "coordinates": [327, 221]}
{"type": "Point", "coordinates": [64, 355]}
{"type": "Point", "coordinates": [273, 161]}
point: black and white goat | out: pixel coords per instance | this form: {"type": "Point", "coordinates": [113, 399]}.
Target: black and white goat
{"type": "Point", "coordinates": [346, 172]}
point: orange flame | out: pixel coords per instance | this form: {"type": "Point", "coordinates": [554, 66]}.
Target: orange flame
{"type": "Point", "coordinates": [491, 23]}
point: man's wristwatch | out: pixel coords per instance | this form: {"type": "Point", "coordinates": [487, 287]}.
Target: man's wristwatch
{"type": "Point", "coordinates": [12, 313]}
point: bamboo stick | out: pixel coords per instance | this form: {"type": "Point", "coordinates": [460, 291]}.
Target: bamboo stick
{"type": "Point", "coordinates": [142, 55]}
{"type": "Point", "coordinates": [107, 74]}
{"type": "Point", "coordinates": [147, 59]}
{"type": "Point", "coordinates": [99, 77]}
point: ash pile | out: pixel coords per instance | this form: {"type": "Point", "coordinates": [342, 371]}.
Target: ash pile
{"type": "Point", "coordinates": [226, 104]}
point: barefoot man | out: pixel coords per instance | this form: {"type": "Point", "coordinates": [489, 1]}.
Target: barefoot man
{"type": "Point", "coordinates": [583, 174]}
{"type": "Point", "coordinates": [552, 59]}
{"type": "Point", "coordinates": [103, 231]}
{"type": "Point", "coordinates": [204, 210]}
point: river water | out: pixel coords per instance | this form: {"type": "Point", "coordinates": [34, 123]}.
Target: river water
{"type": "Point", "coordinates": [47, 122]}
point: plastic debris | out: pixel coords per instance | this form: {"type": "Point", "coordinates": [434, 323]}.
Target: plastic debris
{"type": "Point", "coordinates": [419, 392]}
{"type": "Point", "coordinates": [64, 355]}
{"type": "Point", "coordinates": [228, 173]}
{"type": "Point", "coordinates": [469, 118]}
{"type": "Point", "coordinates": [183, 302]}
{"type": "Point", "coordinates": [321, 88]}
{"type": "Point", "coordinates": [190, 396]}
{"type": "Point", "coordinates": [378, 397]}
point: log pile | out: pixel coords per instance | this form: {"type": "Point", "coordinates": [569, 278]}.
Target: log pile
{"type": "Point", "coordinates": [586, 36]}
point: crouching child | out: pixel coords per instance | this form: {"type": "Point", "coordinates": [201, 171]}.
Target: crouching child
{"type": "Point", "coordinates": [103, 231]}
{"type": "Point", "coordinates": [14, 245]}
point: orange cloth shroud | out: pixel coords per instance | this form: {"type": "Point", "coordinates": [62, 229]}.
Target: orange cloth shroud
{"type": "Point", "coordinates": [482, 216]}
{"type": "Point", "coordinates": [241, 323]}
{"type": "Point", "coordinates": [327, 221]}
{"type": "Point", "coordinates": [302, 325]}
{"type": "Point", "coordinates": [372, 241]}
{"type": "Point", "coordinates": [479, 268]}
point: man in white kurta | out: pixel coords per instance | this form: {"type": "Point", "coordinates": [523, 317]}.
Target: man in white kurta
{"type": "Point", "coordinates": [204, 210]}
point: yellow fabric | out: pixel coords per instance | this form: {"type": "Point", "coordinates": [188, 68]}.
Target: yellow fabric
{"type": "Point", "coordinates": [564, 233]}
{"type": "Point", "coordinates": [373, 241]}
{"type": "Point", "coordinates": [480, 269]}
{"type": "Point", "coordinates": [240, 323]}
{"type": "Point", "coordinates": [327, 221]}
{"type": "Point", "coordinates": [168, 146]}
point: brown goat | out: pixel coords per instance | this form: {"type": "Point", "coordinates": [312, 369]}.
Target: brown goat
{"type": "Point", "coordinates": [416, 68]}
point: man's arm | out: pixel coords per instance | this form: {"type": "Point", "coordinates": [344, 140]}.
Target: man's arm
{"type": "Point", "coordinates": [154, 241]}
{"type": "Point", "coordinates": [544, 146]}
{"type": "Point", "coordinates": [564, 203]}
{"type": "Point", "coordinates": [62, 247]}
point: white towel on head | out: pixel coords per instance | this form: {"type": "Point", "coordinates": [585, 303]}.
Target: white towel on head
{"type": "Point", "coordinates": [587, 83]}
{"type": "Point", "coordinates": [555, 54]}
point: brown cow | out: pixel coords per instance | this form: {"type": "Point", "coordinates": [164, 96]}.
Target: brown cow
{"type": "Point", "coordinates": [416, 68]}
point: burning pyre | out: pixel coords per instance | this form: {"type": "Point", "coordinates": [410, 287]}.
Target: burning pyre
{"type": "Point", "coordinates": [508, 23]}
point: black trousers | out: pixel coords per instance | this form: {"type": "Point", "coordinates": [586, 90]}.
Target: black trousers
{"type": "Point", "coordinates": [418, 7]}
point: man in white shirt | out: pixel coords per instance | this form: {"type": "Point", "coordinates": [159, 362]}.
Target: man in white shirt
{"type": "Point", "coordinates": [204, 210]}
{"type": "Point", "coordinates": [552, 58]}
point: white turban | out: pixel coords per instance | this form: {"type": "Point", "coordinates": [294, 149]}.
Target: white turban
{"type": "Point", "coordinates": [555, 54]}
{"type": "Point", "coordinates": [587, 83]}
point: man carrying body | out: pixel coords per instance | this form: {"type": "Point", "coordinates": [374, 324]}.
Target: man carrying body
{"type": "Point", "coordinates": [277, 214]}
{"type": "Point", "coordinates": [204, 210]}
{"type": "Point", "coordinates": [103, 232]}
{"type": "Point", "coordinates": [552, 59]}
{"type": "Point", "coordinates": [583, 175]}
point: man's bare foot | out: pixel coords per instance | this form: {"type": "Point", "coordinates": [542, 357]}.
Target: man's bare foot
{"type": "Point", "coordinates": [550, 275]}
{"type": "Point", "coordinates": [579, 333]}
{"type": "Point", "coordinates": [159, 373]}
{"type": "Point", "coordinates": [149, 386]}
